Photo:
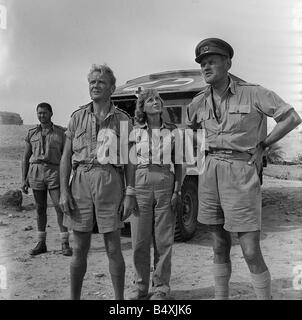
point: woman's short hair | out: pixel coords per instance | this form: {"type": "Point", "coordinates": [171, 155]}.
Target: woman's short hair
{"type": "Point", "coordinates": [140, 114]}
{"type": "Point", "coordinates": [103, 69]}
{"type": "Point", "coordinates": [44, 105]}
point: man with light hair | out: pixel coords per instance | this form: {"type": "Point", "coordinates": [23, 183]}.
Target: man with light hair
{"type": "Point", "coordinates": [96, 197]}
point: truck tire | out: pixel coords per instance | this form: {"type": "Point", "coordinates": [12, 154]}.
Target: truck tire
{"type": "Point", "coordinates": [186, 215]}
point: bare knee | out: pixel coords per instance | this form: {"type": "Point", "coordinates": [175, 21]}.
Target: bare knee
{"type": "Point", "coordinates": [113, 245]}
{"type": "Point", "coordinates": [251, 253]}
{"type": "Point", "coordinates": [58, 208]}
{"type": "Point", "coordinates": [114, 251]}
{"type": "Point", "coordinates": [250, 246]}
{"type": "Point", "coordinates": [41, 208]}
{"type": "Point", "coordinates": [221, 241]}
{"type": "Point", "coordinates": [220, 249]}
{"type": "Point", "coordinates": [81, 245]}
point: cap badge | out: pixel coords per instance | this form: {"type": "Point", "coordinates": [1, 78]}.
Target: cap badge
{"type": "Point", "coordinates": [206, 49]}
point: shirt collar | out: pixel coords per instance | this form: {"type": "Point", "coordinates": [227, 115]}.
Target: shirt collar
{"type": "Point", "coordinates": [112, 109]}
{"type": "Point", "coordinates": [39, 127]}
{"type": "Point", "coordinates": [231, 88]}
{"type": "Point", "coordinates": [145, 125]}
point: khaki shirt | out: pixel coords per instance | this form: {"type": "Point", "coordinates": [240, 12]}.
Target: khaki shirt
{"type": "Point", "coordinates": [155, 146]}
{"type": "Point", "coordinates": [242, 123]}
{"type": "Point", "coordinates": [48, 150]}
{"type": "Point", "coordinates": [109, 144]}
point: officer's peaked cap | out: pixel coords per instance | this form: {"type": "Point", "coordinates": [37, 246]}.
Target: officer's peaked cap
{"type": "Point", "coordinates": [213, 46]}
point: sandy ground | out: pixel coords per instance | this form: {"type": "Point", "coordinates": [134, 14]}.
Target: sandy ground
{"type": "Point", "coordinates": [46, 276]}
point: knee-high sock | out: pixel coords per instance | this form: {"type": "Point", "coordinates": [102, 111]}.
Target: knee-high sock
{"type": "Point", "coordinates": [222, 275]}
{"type": "Point", "coordinates": [262, 285]}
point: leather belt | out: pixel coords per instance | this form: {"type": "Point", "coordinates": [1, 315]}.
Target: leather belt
{"type": "Point", "coordinates": [229, 154]}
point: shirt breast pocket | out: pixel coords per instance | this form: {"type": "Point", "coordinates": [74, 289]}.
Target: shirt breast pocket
{"type": "Point", "coordinates": [55, 148]}
{"type": "Point", "coordinates": [36, 145]}
{"type": "Point", "coordinates": [80, 140]}
{"type": "Point", "coordinates": [203, 115]}
{"type": "Point", "coordinates": [56, 142]}
{"type": "Point", "coordinates": [34, 140]}
{"type": "Point", "coordinates": [205, 118]}
{"type": "Point", "coordinates": [238, 114]}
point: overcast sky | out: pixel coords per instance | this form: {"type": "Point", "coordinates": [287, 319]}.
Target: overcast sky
{"type": "Point", "coordinates": [48, 46]}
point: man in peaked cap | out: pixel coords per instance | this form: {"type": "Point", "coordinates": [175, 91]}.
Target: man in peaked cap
{"type": "Point", "coordinates": [233, 115]}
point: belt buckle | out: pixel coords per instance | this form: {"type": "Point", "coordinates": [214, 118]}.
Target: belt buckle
{"type": "Point", "coordinates": [222, 151]}
{"type": "Point", "coordinates": [87, 167]}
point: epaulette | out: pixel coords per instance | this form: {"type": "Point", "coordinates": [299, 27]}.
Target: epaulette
{"type": "Point", "coordinates": [80, 108]}
{"type": "Point", "coordinates": [31, 131]}
{"type": "Point", "coordinates": [202, 90]}
{"type": "Point", "coordinates": [34, 128]}
{"type": "Point", "coordinates": [124, 112]}
{"type": "Point", "coordinates": [60, 127]}
{"type": "Point", "coordinates": [247, 84]}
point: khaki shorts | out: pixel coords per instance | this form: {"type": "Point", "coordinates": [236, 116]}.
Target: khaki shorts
{"type": "Point", "coordinates": [230, 194]}
{"type": "Point", "coordinates": [43, 176]}
{"type": "Point", "coordinates": [98, 193]}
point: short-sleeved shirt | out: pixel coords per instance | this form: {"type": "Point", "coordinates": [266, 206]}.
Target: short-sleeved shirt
{"type": "Point", "coordinates": [49, 148]}
{"type": "Point", "coordinates": [104, 143]}
{"type": "Point", "coordinates": [155, 146]}
{"type": "Point", "coordinates": [242, 122]}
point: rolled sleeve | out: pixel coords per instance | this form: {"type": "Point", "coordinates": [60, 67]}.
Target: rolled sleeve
{"type": "Point", "coordinates": [26, 139]}
{"type": "Point", "coordinates": [271, 104]}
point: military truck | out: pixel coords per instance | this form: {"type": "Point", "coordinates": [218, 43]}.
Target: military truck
{"type": "Point", "coordinates": [176, 88]}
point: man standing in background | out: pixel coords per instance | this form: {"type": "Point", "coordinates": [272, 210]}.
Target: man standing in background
{"type": "Point", "coordinates": [40, 171]}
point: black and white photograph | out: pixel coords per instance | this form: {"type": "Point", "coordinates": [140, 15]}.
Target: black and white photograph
{"type": "Point", "coordinates": [150, 150]}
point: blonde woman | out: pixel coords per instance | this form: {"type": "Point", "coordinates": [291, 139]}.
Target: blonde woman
{"type": "Point", "coordinates": [157, 192]}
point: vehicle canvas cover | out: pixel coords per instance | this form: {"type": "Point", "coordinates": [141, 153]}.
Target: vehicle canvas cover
{"type": "Point", "coordinates": [184, 81]}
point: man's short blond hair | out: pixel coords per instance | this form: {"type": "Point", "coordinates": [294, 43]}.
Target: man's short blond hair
{"type": "Point", "coordinates": [103, 69]}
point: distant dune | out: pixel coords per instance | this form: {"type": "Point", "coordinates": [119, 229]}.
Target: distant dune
{"type": "Point", "coordinates": [12, 141]}
{"type": "Point", "coordinates": [10, 118]}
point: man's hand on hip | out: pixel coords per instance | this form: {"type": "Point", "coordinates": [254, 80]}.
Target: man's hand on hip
{"type": "Point", "coordinates": [258, 155]}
